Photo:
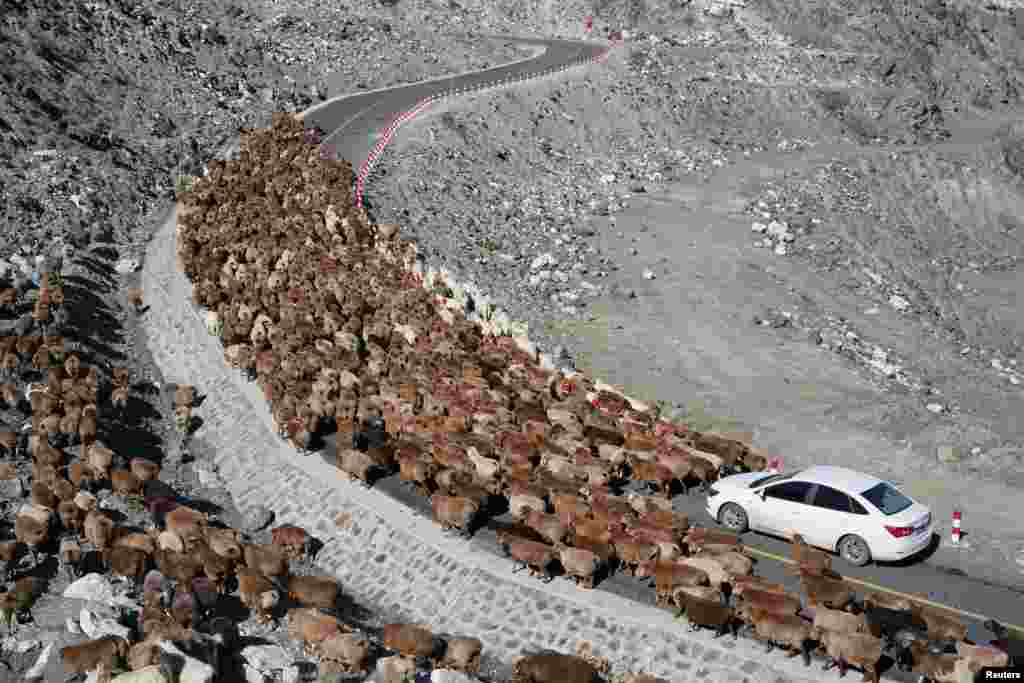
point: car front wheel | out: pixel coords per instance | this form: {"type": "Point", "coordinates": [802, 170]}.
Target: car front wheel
{"type": "Point", "coordinates": [854, 550]}
{"type": "Point", "coordinates": [734, 518]}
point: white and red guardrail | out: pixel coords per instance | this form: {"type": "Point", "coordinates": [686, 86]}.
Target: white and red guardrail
{"type": "Point", "coordinates": [388, 132]}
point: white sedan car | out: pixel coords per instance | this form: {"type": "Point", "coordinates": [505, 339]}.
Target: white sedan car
{"type": "Point", "coordinates": [856, 515]}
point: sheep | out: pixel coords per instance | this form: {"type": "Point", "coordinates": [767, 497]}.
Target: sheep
{"type": "Point", "coordinates": [90, 654]}
{"type": "Point", "coordinates": [698, 537]}
{"type": "Point", "coordinates": [454, 512]}
{"type": "Point", "coordinates": [126, 562]}
{"type": "Point", "coordinates": [980, 656]}
{"type": "Point", "coordinates": [396, 669]}
{"type": "Point", "coordinates": [631, 552]}
{"type": "Point", "coordinates": [119, 396]}
{"type": "Point", "coordinates": [419, 473]}
{"type": "Point", "coordinates": [709, 614]}
{"type": "Point", "coordinates": [844, 648]}
{"type": "Point", "coordinates": [312, 628]}
{"type": "Point", "coordinates": [70, 556]}
{"type": "Point", "coordinates": [741, 584]}
{"type": "Point", "coordinates": [252, 586]}
{"type": "Point", "coordinates": [532, 555]}
{"type": "Point", "coordinates": [43, 496]}
{"type": "Point", "coordinates": [99, 529]}
{"type": "Point", "coordinates": [29, 531]}
{"type": "Point", "coordinates": [806, 556]}
{"type": "Point", "coordinates": [733, 562]}
{"type": "Point", "coordinates": [553, 668]}
{"type": "Point", "coordinates": [461, 654]}
{"type": "Point", "coordinates": [181, 567]}
{"type": "Point", "coordinates": [168, 540]}
{"type": "Point", "coordinates": [85, 502]}
{"type": "Point", "coordinates": [134, 297]}
{"type": "Point", "coordinates": [411, 640]}
{"type": "Point", "coordinates": [940, 626]}
{"type": "Point", "coordinates": [522, 498]}
{"type": "Point", "coordinates": [680, 594]}
{"type": "Point", "coordinates": [791, 632]}
{"type": "Point", "coordinates": [550, 527]}
{"type": "Point", "coordinates": [357, 464]}
{"type": "Point", "coordinates": [294, 540]}
{"type": "Point", "coordinates": [837, 620]}
{"type": "Point", "coordinates": [99, 459]}
{"type": "Point", "coordinates": [225, 542]}
{"type": "Point", "coordinates": [125, 483]}
{"type": "Point", "coordinates": [347, 652]}
{"type": "Point", "coordinates": [579, 564]}
{"type": "Point", "coordinates": [81, 475]}
{"type": "Point", "coordinates": [189, 524]}
{"type": "Point", "coordinates": [183, 606]}
{"type": "Point", "coordinates": [314, 591]}
{"type": "Point", "coordinates": [653, 474]}
{"type": "Point", "coordinates": [216, 569]}
{"type": "Point", "coordinates": [10, 555]}
{"type": "Point", "coordinates": [785, 604]}
{"type": "Point", "coordinates": [145, 470]}
{"type": "Point", "coordinates": [668, 575]}
{"type": "Point", "coordinates": [268, 560]}
{"type": "Point", "coordinates": [826, 591]}
{"type": "Point", "coordinates": [717, 574]}
{"type": "Point", "coordinates": [63, 489]}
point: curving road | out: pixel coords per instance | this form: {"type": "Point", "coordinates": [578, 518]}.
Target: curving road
{"type": "Point", "coordinates": [350, 121]}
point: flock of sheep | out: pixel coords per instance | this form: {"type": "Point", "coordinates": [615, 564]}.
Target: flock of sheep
{"type": "Point", "coordinates": [325, 311]}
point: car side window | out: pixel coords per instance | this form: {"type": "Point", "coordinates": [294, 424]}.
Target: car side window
{"type": "Point", "coordinates": [858, 509]}
{"type": "Point", "coordinates": [831, 499]}
{"type": "Point", "coordinates": [792, 491]}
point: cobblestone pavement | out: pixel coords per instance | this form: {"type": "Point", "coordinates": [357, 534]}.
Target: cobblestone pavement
{"type": "Point", "coordinates": [391, 558]}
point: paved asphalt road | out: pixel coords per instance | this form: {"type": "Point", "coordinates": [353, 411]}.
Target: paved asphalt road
{"type": "Point", "coordinates": [350, 122]}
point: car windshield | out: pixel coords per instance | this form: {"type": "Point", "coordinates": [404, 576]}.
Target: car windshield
{"type": "Point", "coordinates": [887, 499]}
{"type": "Point", "coordinates": [768, 479]}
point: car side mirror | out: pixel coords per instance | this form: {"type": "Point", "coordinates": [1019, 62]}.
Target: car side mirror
{"type": "Point", "coordinates": [764, 494]}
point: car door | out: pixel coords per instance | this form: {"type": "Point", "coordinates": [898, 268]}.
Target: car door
{"type": "Point", "coordinates": [832, 517]}
{"type": "Point", "coordinates": [781, 507]}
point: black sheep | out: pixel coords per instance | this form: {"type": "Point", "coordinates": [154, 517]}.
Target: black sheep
{"type": "Point", "coordinates": [714, 615]}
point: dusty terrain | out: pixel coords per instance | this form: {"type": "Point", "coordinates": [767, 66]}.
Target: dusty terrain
{"type": "Point", "coordinates": [876, 324]}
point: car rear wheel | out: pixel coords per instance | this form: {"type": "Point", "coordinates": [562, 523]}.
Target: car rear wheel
{"type": "Point", "coordinates": [854, 550]}
{"type": "Point", "coordinates": [734, 518]}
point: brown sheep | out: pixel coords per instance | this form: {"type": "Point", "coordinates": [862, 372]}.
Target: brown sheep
{"type": "Point", "coordinates": [940, 626]}
{"type": "Point", "coordinates": [828, 592]}
{"type": "Point", "coordinates": [216, 569]}
{"type": "Point", "coordinates": [709, 614]}
{"type": "Point", "coordinates": [805, 555]}
{"type": "Point", "coordinates": [454, 512]}
{"type": "Point", "coordinates": [85, 501]}
{"type": "Point", "coordinates": [741, 584]}
{"type": "Point", "coordinates": [411, 640]}
{"type": "Point", "coordinates": [88, 655]}
{"type": "Point", "coordinates": [43, 496]}
{"type": "Point", "coordinates": [99, 530]}
{"type": "Point", "coordinates": [860, 649]}
{"type": "Point", "coordinates": [126, 562]}
{"type": "Point", "coordinates": [553, 668]}
{"type": "Point", "coordinates": [733, 562]}
{"type": "Point", "coordinates": [10, 555]}
{"type": "Point", "coordinates": [63, 489]}
{"type": "Point", "coordinates": [189, 524]}
{"type": "Point", "coordinates": [268, 560]}
{"type": "Point", "coordinates": [314, 591]}
{"type": "Point", "coordinates": [461, 654]}
{"type": "Point", "coordinates": [631, 551]}
{"type": "Point", "coordinates": [29, 531]}
{"type": "Point", "coordinates": [252, 586]}
{"type": "Point", "coordinates": [225, 542]}
{"type": "Point", "coordinates": [669, 575]}
{"type": "Point", "coordinates": [181, 567]}
{"type": "Point", "coordinates": [81, 475]}
{"type": "Point", "coordinates": [70, 556]}
{"type": "Point", "coordinates": [145, 470]}
{"type": "Point", "coordinates": [396, 669]}
{"type": "Point", "coordinates": [551, 527]}
{"type": "Point", "coordinates": [144, 543]}
{"type": "Point", "coordinates": [532, 555]}
{"type": "Point", "coordinates": [837, 620]}
{"type": "Point", "coordinates": [357, 464]}
{"type": "Point", "coordinates": [125, 483]}
{"type": "Point", "coordinates": [347, 652]}
{"type": "Point", "coordinates": [791, 632]}
{"type": "Point", "coordinates": [579, 564]}
{"type": "Point", "coordinates": [293, 540]}
{"type": "Point", "coordinates": [312, 627]}
{"type": "Point", "coordinates": [786, 604]}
